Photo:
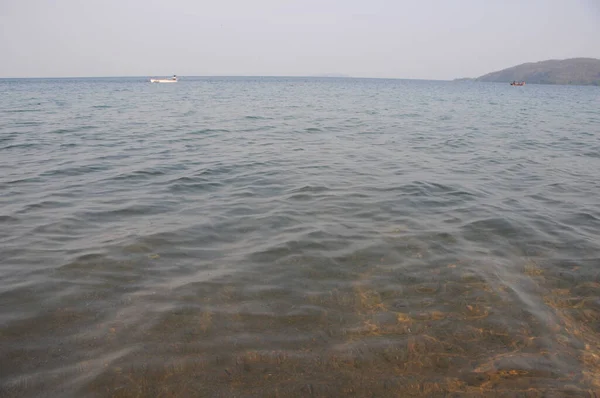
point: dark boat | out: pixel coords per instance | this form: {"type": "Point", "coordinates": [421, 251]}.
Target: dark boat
{"type": "Point", "coordinates": [517, 84]}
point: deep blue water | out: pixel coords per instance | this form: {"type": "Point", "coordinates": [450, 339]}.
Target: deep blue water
{"type": "Point", "coordinates": [298, 237]}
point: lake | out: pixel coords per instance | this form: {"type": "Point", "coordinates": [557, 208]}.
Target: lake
{"type": "Point", "coordinates": [279, 237]}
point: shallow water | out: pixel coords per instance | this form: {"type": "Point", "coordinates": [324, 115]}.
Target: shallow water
{"type": "Point", "coordinates": [298, 237]}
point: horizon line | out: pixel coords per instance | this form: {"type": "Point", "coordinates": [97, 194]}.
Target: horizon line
{"type": "Point", "coordinates": [324, 76]}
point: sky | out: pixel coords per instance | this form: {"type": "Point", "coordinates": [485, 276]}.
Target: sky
{"type": "Point", "coordinates": [413, 39]}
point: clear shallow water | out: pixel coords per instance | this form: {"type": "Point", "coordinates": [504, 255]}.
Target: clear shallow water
{"type": "Point", "coordinates": [298, 237]}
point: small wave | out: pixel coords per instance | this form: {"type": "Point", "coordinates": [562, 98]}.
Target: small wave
{"type": "Point", "coordinates": [145, 174]}
{"type": "Point", "coordinates": [8, 138]}
{"type": "Point", "coordinates": [8, 219]}
{"type": "Point", "coordinates": [409, 115]}
{"type": "Point", "coordinates": [22, 146]}
{"type": "Point", "coordinates": [90, 257]}
{"type": "Point", "coordinates": [251, 117]}
{"type": "Point", "coordinates": [193, 185]}
{"type": "Point", "coordinates": [559, 187]}
{"type": "Point", "coordinates": [43, 205]}
{"type": "Point", "coordinates": [23, 110]}
{"type": "Point", "coordinates": [216, 171]}
{"type": "Point", "coordinates": [301, 197]}
{"type": "Point", "coordinates": [307, 192]}
{"type": "Point", "coordinates": [287, 249]}
{"type": "Point", "coordinates": [66, 228]}
{"type": "Point", "coordinates": [583, 219]}
{"type": "Point", "coordinates": [490, 228]}
{"type": "Point", "coordinates": [28, 123]}
{"type": "Point", "coordinates": [422, 188]}
{"type": "Point", "coordinates": [75, 171]}
{"type": "Point", "coordinates": [209, 131]}
{"type": "Point", "coordinates": [73, 130]}
{"type": "Point", "coordinates": [311, 189]}
{"type": "Point", "coordinates": [257, 129]}
{"type": "Point", "coordinates": [132, 210]}
{"type": "Point", "coordinates": [243, 194]}
{"type": "Point", "coordinates": [26, 180]}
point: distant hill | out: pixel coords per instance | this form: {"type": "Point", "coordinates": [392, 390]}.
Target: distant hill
{"type": "Point", "coordinates": [580, 71]}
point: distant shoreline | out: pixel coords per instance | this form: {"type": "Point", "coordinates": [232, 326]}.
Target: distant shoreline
{"type": "Point", "coordinates": [572, 71]}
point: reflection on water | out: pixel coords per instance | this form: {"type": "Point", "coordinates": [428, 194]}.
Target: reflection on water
{"type": "Point", "coordinates": [342, 241]}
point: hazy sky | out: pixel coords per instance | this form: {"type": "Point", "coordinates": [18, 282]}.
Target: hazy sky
{"type": "Point", "coordinates": [430, 39]}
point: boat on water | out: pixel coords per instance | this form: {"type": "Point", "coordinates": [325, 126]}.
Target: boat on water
{"type": "Point", "coordinates": [517, 83]}
{"type": "Point", "coordinates": [167, 80]}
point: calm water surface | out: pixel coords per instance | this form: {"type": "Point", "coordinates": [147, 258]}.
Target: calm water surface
{"type": "Point", "coordinates": [240, 237]}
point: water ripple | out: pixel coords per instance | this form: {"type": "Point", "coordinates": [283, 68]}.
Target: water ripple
{"type": "Point", "coordinates": [281, 236]}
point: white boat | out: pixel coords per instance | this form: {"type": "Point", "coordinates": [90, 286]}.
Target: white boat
{"type": "Point", "coordinates": [168, 80]}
